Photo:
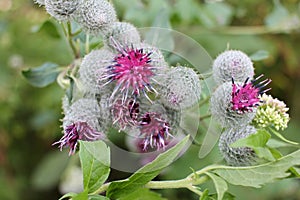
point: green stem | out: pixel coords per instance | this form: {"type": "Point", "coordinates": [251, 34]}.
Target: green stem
{"type": "Point", "coordinates": [70, 41]}
{"type": "Point", "coordinates": [205, 117]}
{"type": "Point", "coordinates": [204, 101]}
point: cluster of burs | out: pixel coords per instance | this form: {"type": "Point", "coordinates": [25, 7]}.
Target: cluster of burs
{"type": "Point", "coordinates": [241, 106]}
{"type": "Point", "coordinates": [126, 84]}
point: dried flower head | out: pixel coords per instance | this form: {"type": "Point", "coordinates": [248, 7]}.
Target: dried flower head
{"type": "Point", "coordinates": [181, 88]}
{"type": "Point", "coordinates": [245, 97]}
{"type": "Point", "coordinates": [155, 130]}
{"type": "Point", "coordinates": [240, 156]}
{"type": "Point", "coordinates": [271, 112]}
{"type": "Point", "coordinates": [95, 16]}
{"type": "Point", "coordinates": [232, 64]}
{"type": "Point", "coordinates": [62, 10]}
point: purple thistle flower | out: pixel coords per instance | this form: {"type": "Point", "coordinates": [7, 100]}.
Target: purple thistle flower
{"type": "Point", "coordinates": [125, 113]}
{"type": "Point", "coordinates": [245, 97]}
{"type": "Point", "coordinates": [155, 130]}
{"type": "Point", "coordinates": [132, 71]}
{"type": "Point", "coordinates": [77, 131]}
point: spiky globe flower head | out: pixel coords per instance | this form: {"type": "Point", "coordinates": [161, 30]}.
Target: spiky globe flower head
{"type": "Point", "coordinates": [92, 66]}
{"type": "Point", "coordinates": [232, 64]}
{"type": "Point", "coordinates": [132, 72]}
{"type": "Point", "coordinates": [240, 156]}
{"type": "Point", "coordinates": [122, 33]}
{"type": "Point", "coordinates": [81, 123]}
{"type": "Point", "coordinates": [271, 112]}
{"type": "Point", "coordinates": [181, 88]}
{"type": "Point", "coordinates": [222, 108]}
{"type": "Point", "coordinates": [245, 97]}
{"type": "Point", "coordinates": [155, 130]}
{"type": "Point", "coordinates": [40, 2]}
{"type": "Point", "coordinates": [62, 10]}
{"type": "Point", "coordinates": [125, 113]}
{"type": "Point", "coordinates": [95, 16]}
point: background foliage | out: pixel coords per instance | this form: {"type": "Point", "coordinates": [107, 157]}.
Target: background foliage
{"type": "Point", "coordinates": [29, 122]}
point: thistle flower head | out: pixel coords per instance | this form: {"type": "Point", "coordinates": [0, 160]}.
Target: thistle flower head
{"type": "Point", "coordinates": [222, 108]}
{"type": "Point", "coordinates": [271, 112]}
{"type": "Point", "coordinates": [78, 131]}
{"type": "Point", "coordinates": [125, 113]}
{"type": "Point", "coordinates": [132, 71]}
{"type": "Point", "coordinates": [95, 16]}
{"type": "Point", "coordinates": [155, 130]}
{"type": "Point", "coordinates": [181, 88]}
{"type": "Point", "coordinates": [240, 156]}
{"type": "Point", "coordinates": [232, 64]}
{"type": "Point", "coordinates": [82, 121]}
{"type": "Point", "coordinates": [245, 97]}
{"type": "Point", "coordinates": [62, 9]}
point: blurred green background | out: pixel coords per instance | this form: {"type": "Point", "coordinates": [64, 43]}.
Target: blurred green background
{"type": "Point", "coordinates": [29, 120]}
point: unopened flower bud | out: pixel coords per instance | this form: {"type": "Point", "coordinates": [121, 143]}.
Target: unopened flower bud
{"type": "Point", "coordinates": [232, 64]}
{"type": "Point", "coordinates": [240, 156]}
{"type": "Point", "coordinates": [62, 9]}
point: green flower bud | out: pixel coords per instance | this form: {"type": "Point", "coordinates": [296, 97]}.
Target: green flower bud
{"type": "Point", "coordinates": [271, 112]}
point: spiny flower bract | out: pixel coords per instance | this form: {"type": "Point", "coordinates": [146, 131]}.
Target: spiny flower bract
{"type": "Point", "coordinates": [62, 9]}
{"type": "Point", "coordinates": [92, 67]}
{"type": "Point", "coordinates": [121, 33]}
{"type": "Point", "coordinates": [181, 88]}
{"type": "Point", "coordinates": [95, 16]}
{"type": "Point", "coordinates": [240, 156]}
{"type": "Point", "coordinates": [232, 64]}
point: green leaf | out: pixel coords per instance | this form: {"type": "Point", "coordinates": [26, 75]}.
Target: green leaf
{"type": "Point", "coordinates": [282, 138]}
{"type": "Point", "coordinates": [204, 195]}
{"type": "Point", "coordinates": [259, 55]}
{"type": "Point", "coordinates": [97, 197]}
{"type": "Point", "coordinates": [258, 143]}
{"type": "Point", "coordinates": [81, 196]}
{"type": "Point", "coordinates": [220, 185]}
{"type": "Point", "coordinates": [43, 75]}
{"type": "Point", "coordinates": [143, 194]}
{"type": "Point", "coordinates": [259, 139]}
{"type": "Point", "coordinates": [277, 16]}
{"type": "Point", "coordinates": [145, 174]}
{"type": "Point", "coordinates": [274, 143]}
{"type": "Point", "coordinates": [68, 195]}
{"type": "Point", "coordinates": [256, 176]}
{"type": "Point", "coordinates": [95, 163]}
{"type": "Point", "coordinates": [49, 27]}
